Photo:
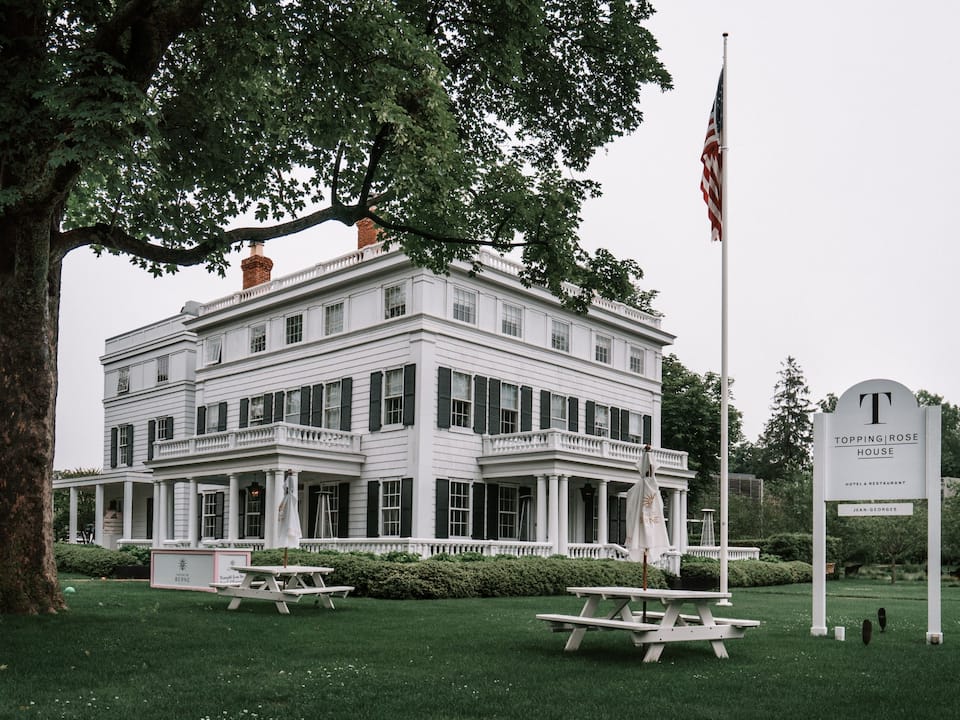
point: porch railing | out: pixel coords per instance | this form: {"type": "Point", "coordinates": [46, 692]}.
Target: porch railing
{"type": "Point", "coordinates": [733, 553]}
{"type": "Point", "coordinates": [590, 445]}
{"type": "Point", "coordinates": [261, 436]}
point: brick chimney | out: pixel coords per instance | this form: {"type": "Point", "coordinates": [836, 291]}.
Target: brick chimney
{"type": "Point", "coordinates": [367, 233]}
{"type": "Point", "coordinates": [256, 268]}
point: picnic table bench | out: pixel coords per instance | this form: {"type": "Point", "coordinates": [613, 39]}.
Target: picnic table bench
{"type": "Point", "coordinates": [281, 584]}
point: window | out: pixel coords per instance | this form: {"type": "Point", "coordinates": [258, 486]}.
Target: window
{"type": "Point", "coordinates": [256, 411]}
{"type": "Point", "coordinates": [332, 393]}
{"type": "Point", "coordinates": [165, 428]}
{"type": "Point", "coordinates": [558, 412]}
{"type": "Point", "coordinates": [636, 360]}
{"type": "Point", "coordinates": [461, 396]}
{"type": "Point", "coordinates": [393, 397]}
{"type": "Point", "coordinates": [601, 349]}
{"type": "Point", "coordinates": [327, 515]}
{"type": "Point", "coordinates": [390, 508]}
{"type": "Point", "coordinates": [507, 512]}
{"type": "Point", "coordinates": [333, 318]}
{"type": "Point", "coordinates": [602, 421]}
{"type": "Point", "coordinates": [560, 335]}
{"type": "Point", "coordinates": [459, 509]}
{"type": "Point", "coordinates": [635, 434]}
{"type": "Point", "coordinates": [394, 301]}
{"type": "Point", "coordinates": [464, 305]}
{"type": "Point", "coordinates": [212, 512]}
{"type": "Point", "coordinates": [294, 329]}
{"type": "Point", "coordinates": [509, 408]}
{"type": "Point", "coordinates": [213, 417]}
{"type": "Point", "coordinates": [258, 338]}
{"type": "Point", "coordinates": [125, 444]}
{"type": "Point", "coordinates": [253, 513]}
{"type": "Point", "coordinates": [163, 368]}
{"type": "Point", "coordinates": [123, 380]}
{"type": "Point", "coordinates": [291, 407]}
{"type": "Point", "coordinates": [212, 350]}
{"type": "Point", "coordinates": [511, 320]}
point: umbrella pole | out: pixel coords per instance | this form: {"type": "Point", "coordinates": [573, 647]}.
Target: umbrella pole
{"type": "Point", "coordinates": [644, 583]}
{"type": "Point", "coordinates": [285, 557]}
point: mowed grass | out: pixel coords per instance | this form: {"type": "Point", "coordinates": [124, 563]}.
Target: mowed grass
{"type": "Point", "coordinates": [126, 651]}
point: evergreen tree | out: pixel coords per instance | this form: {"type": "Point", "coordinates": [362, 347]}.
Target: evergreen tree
{"type": "Point", "coordinates": [787, 439]}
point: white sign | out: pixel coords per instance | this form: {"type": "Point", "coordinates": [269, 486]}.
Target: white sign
{"type": "Point", "coordinates": [876, 444]}
{"type": "Point", "coordinates": [865, 509]}
{"type": "Point", "coordinates": [195, 569]}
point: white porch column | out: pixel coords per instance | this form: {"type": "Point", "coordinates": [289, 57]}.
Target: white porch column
{"type": "Point", "coordinates": [160, 511]}
{"type": "Point", "coordinates": [541, 508]}
{"type": "Point", "coordinates": [128, 509]}
{"type": "Point", "coordinates": [193, 531]}
{"type": "Point", "coordinates": [233, 516]}
{"type": "Point", "coordinates": [684, 535]}
{"type": "Point", "coordinates": [98, 514]}
{"type": "Point", "coordinates": [554, 514]}
{"type": "Point", "coordinates": [270, 510]}
{"type": "Point", "coordinates": [676, 519]}
{"type": "Point", "coordinates": [157, 504]}
{"type": "Point", "coordinates": [563, 495]}
{"type": "Point", "coordinates": [74, 498]}
{"type": "Point", "coordinates": [603, 535]}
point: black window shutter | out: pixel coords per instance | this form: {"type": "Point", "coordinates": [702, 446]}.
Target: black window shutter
{"type": "Point", "coordinates": [305, 405]}
{"type": "Point", "coordinates": [313, 500]}
{"type": "Point", "coordinates": [267, 408]}
{"type": "Point", "coordinates": [128, 455]}
{"type": "Point", "coordinates": [242, 513]}
{"type": "Point", "coordinates": [244, 412]}
{"type": "Point", "coordinates": [614, 423]}
{"type": "Point", "coordinates": [409, 394]}
{"type": "Point", "coordinates": [588, 494]}
{"type": "Point", "coordinates": [316, 406]}
{"type": "Point", "coordinates": [479, 406]}
{"type": "Point", "coordinates": [114, 439]}
{"type": "Point", "coordinates": [346, 404]}
{"type": "Point", "coordinates": [493, 408]}
{"type": "Point", "coordinates": [343, 510]}
{"type": "Point", "coordinates": [222, 419]}
{"type": "Point", "coordinates": [625, 425]}
{"type": "Point", "coordinates": [170, 423]}
{"type": "Point", "coordinates": [493, 511]}
{"type": "Point", "coordinates": [376, 386]}
{"type": "Point", "coordinates": [201, 420]}
{"type": "Point", "coordinates": [647, 429]}
{"type": "Point", "coordinates": [526, 408]}
{"type": "Point", "coordinates": [573, 414]}
{"type": "Point", "coordinates": [406, 507]}
{"type": "Point", "coordinates": [373, 509]}
{"type": "Point", "coordinates": [443, 399]}
{"type": "Point", "coordinates": [218, 509]}
{"type": "Point", "coordinates": [479, 494]}
{"type": "Point", "coordinates": [278, 415]}
{"type": "Point", "coordinates": [199, 516]}
{"type": "Point", "coordinates": [151, 436]}
{"type": "Point", "coordinates": [443, 509]}
{"type": "Point", "coordinates": [545, 410]}
{"type": "Point", "coordinates": [590, 419]}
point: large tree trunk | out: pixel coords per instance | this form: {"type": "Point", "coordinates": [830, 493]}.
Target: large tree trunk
{"type": "Point", "coordinates": [29, 308]}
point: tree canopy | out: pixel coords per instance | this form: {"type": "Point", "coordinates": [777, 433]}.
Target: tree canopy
{"type": "Point", "coordinates": [146, 127]}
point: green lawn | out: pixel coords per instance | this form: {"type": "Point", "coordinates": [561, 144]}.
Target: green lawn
{"type": "Point", "coordinates": [126, 651]}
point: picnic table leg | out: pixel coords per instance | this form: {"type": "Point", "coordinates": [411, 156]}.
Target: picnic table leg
{"type": "Point", "coordinates": [706, 619]}
{"type": "Point", "coordinates": [576, 635]}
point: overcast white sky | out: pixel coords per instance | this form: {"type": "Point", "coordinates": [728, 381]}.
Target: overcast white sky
{"type": "Point", "coordinates": [842, 189]}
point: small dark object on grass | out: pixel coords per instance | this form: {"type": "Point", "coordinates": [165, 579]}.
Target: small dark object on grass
{"type": "Point", "coordinates": [882, 619]}
{"type": "Point", "coordinates": [867, 631]}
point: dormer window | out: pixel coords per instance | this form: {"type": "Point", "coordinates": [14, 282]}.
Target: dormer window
{"type": "Point", "coordinates": [123, 380]}
{"type": "Point", "coordinates": [394, 301]}
{"type": "Point", "coordinates": [258, 338]}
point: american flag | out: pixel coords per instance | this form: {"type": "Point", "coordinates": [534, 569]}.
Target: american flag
{"type": "Point", "coordinates": [712, 160]}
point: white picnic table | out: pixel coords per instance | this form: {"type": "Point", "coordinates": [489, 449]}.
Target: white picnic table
{"type": "Point", "coordinates": [664, 622]}
{"type": "Point", "coordinates": [281, 584]}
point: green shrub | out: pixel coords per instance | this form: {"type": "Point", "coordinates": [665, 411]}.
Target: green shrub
{"type": "Point", "coordinates": [91, 560]}
{"type": "Point", "coordinates": [138, 552]}
{"type": "Point", "coordinates": [400, 556]}
{"type": "Point", "coordinates": [794, 546]}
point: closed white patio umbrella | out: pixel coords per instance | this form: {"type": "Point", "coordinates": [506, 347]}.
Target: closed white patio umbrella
{"type": "Point", "coordinates": [646, 525]}
{"type": "Point", "coordinates": [288, 528]}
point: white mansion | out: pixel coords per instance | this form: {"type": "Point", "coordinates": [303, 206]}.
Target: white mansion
{"type": "Point", "coordinates": [414, 411]}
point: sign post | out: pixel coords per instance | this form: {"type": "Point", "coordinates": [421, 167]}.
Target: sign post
{"type": "Point", "coordinates": [878, 445]}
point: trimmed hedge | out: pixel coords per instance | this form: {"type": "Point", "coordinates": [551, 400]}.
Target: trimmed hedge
{"type": "Point", "coordinates": [745, 573]}
{"type": "Point", "coordinates": [93, 560]}
{"type": "Point", "coordinates": [794, 546]}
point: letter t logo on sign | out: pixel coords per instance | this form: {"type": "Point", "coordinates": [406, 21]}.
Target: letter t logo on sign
{"type": "Point", "coordinates": [875, 405]}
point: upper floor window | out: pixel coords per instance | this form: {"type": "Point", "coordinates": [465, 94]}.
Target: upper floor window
{"type": "Point", "coordinates": [256, 411]}
{"type": "Point", "coordinates": [461, 399]}
{"type": "Point", "coordinates": [294, 329]}
{"type": "Point", "coordinates": [125, 443]}
{"type": "Point", "coordinates": [459, 509]}
{"type": "Point", "coordinates": [123, 380]}
{"type": "Point", "coordinates": [511, 320]}
{"type": "Point", "coordinates": [636, 360]}
{"type": "Point", "coordinates": [393, 397]}
{"type": "Point", "coordinates": [333, 318]}
{"type": "Point", "coordinates": [602, 421]}
{"type": "Point", "coordinates": [163, 368]}
{"type": "Point", "coordinates": [464, 305]}
{"type": "Point", "coordinates": [165, 428]}
{"type": "Point", "coordinates": [291, 406]}
{"type": "Point", "coordinates": [258, 338]}
{"type": "Point", "coordinates": [558, 412]}
{"type": "Point", "coordinates": [560, 335]}
{"type": "Point", "coordinates": [394, 301]}
{"type": "Point", "coordinates": [212, 349]}
{"type": "Point", "coordinates": [509, 408]}
{"type": "Point", "coordinates": [332, 400]}
{"type": "Point", "coordinates": [390, 508]}
{"type": "Point", "coordinates": [601, 349]}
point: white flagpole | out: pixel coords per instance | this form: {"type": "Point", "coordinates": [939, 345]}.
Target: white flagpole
{"type": "Point", "coordinates": [724, 384]}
